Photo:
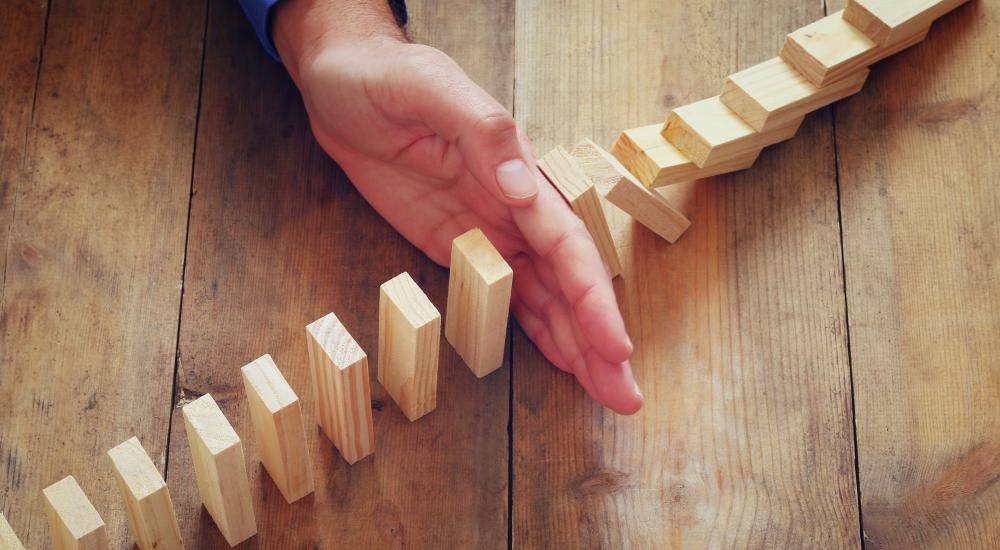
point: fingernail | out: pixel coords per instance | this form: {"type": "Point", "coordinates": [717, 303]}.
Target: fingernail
{"type": "Point", "coordinates": [631, 346]}
{"type": "Point", "coordinates": [635, 386]}
{"type": "Point", "coordinates": [516, 180]}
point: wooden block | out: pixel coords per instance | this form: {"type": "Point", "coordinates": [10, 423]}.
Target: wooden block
{"type": "Point", "coordinates": [890, 22]}
{"type": "Point", "coordinates": [147, 499]}
{"type": "Point", "coordinates": [409, 340]}
{"type": "Point", "coordinates": [830, 49]}
{"type": "Point", "coordinates": [479, 288]}
{"type": "Point", "coordinates": [276, 413]}
{"type": "Point", "coordinates": [656, 162]}
{"type": "Point", "coordinates": [220, 469]}
{"type": "Point", "coordinates": [73, 521]}
{"type": "Point", "coordinates": [560, 168]}
{"type": "Point", "coordinates": [709, 133]}
{"type": "Point", "coordinates": [342, 392]}
{"type": "Point", "coordinates": [773, 93]}
{"type": "Point", "coordinates": [8, 538]}
{"type": "Point", "coordinates": [621, 188]}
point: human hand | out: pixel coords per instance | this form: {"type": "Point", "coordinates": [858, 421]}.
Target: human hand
{"type": "Point", "coordinates": [436, 155]}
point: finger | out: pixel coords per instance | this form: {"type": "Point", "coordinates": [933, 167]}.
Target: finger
{"type": "Point", "coordinates": [537, 332]}
{"type": "Point", "coordinates": [614, 383]}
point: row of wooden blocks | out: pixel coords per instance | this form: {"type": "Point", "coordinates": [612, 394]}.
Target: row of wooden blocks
{"type": "Point", "coordinates": [819, 64]}
{"type": "Point", "coordinates": [479, 292]}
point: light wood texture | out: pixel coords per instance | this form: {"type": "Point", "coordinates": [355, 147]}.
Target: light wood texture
{"type": "Point", "coordinates": [276, 413]}
{"type": "Point", "coordinates": [567, 177]}
{"type": "Point", "coordinates": [220, 469]}
{"type": "Point", "coordinates": [889, 22]}
{"type": "Point", "coordinates": [147, 498]}
{"type": "Point", "coordinates": [830, 49]}
{"type": "Point", "coordinates": [709, 133]}
{"type": "Point", "coordinates": [479, 289]}
{"type": "Point", "coordinates": [341, 389]}
{"type": "Point", "coordinates": [74, 523]}
{"type": "Point", "coordinates": [621, 189]}
{"type": "Point", "coordinates": [8, 538]}
{"type": "Point", "coordinates": [656, 162]}
{"type": "Point", "coordinates": [409, 344]}
{"type": "Point", "coordinates": [773, 93]}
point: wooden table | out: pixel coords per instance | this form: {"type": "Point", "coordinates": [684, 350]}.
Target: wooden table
{"type": "Point", "coordinates": [820, 354]}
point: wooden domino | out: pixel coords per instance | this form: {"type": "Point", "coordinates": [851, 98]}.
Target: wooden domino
{"type": "Point", "coordinates": [341, 389]}
{"type": "Point", "coordinates": [479, 289]}
{"type": "Point", "coordinates": [773, 94]}
{"type": "Point", "coordinates": [890, 22]}
{"type": "Point", "coordinates": [73, 521]}
{"type": "Point", "coordinates": [276, 413]}
{"type": "Point", "coordinates": [831, 48]}
{"type": "Point", "coordinates": [573, 185]}
{"type": "Point", "coordinates": [147, 499]}
{"type": "Point", "coordinates": [709, 133]}
{"type": "Point", "coordinates": [409, 340]}
{"type": "Point", "coordinates": [220, 469]}
{"type": "Point", "coordinates": [620, 188]}
{"type": "Point", "coordinates": [8, 538]}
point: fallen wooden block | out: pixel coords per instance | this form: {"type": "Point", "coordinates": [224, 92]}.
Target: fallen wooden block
{"type": "Point", "coordinates": [573, 185]}
{"type": "Point", "coordinates": [341, 389]}
{"type": "Point", "coordinates": [891, 22]}
{"type": "Point", "coordinates": [276, 413]}
{"type": "Point", "coordinates": [409, 339]}
{"type": "Point", "coordinates": [8, 538]}
{"type": "Point", "coordinates": [147, 499]}
{"type": "Point", "coordinates": [479, 289]}
{"type": "Point", "coordinates": [656, 162]}
{"type": "Point", "coordinates": [220, 469]}
{"type": "Point", "coordinates": [73, 521]}
{"type": "Point", "coordinates": [773, 94]}
{"type": "Point", "coordinates": [830, 49]}
{"type": "Point", "coordinates": [624, 191]}
{"type": "Point", "coordinates": [709, 133]}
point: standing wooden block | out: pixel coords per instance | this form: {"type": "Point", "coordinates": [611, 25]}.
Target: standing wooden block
{"type": "Point", "coordinates": [709, 133]}
{"type": "Point", "coordinates": [8, 538]}
{"type": "Point", "coordinates": [409, 341]}
{"type": "Point", "coordinates": [830, 49]}
{"type": "Point", "coordinates": [73, 521]}
{"type": "Point", "coordinates": [147, 499]}
{"type": "Point", "coordinates": [276, 413]}
{"type": "Point", "coordinates": [479, 288]}
{"type": "Point", "coordinates": [774, 94]}
{"type": "Point", "coordinates": [220, 469]}
{"type": "Point", "coordinates": [890, 22]}
{"type": "Point", "coordinates": [656, 162]}
{"type": "Point", "coordinates": [620, 188]}
{"type": "Point", "coordinates": [559, 167]}
{"type": "Point", "coordinates": [340, 381]}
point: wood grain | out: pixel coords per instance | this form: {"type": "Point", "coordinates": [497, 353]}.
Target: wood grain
{"type": "Point", "coordinates": [8, 538]}
{"type": "Point", "coordinates": [745, 439]}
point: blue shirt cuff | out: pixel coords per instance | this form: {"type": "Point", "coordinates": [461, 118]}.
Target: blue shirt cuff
{"type": "Point", "coordinates": [259, 13]}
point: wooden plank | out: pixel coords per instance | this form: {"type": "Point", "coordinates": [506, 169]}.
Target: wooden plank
{"type": "Point", "coordinates": [889, 22]}
{"type": "Point", "coordinates": [409, 344]}
{"type": "Point", "coordinates": [8, 538]}
{"type": "Point", "coordinates": [147, 498]}
{"type": "Point", "coordinates": [220, 469]}
{"type": "Point", "coordinates": [739, 327]}
{"type": "Point", "coordinates": [276, 413]}
{"type": "Point", "coordinates": [773, 93]}
{"type": "Point", "coordinates": [94, 192]}
{"type": "Point", "coordinates": [560, 169]}
{"type": "Point", "coordinates": [74, 523]}
{"type": "Point", "coordinates": [919, 162]}
{"type": "Point", "coordinates": [341, 390]}
{"type": "Point", "coordinates": [709, 133]}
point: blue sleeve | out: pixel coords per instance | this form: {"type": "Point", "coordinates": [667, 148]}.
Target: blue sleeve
{"type": "Point", "coordinates": [259, 13]}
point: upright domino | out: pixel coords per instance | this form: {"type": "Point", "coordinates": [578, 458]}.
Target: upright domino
{"type": "Point", "coordinates": [890, 22]}
{"type": "Point", "coordinates": [625, 192]}
{"type": "Point", "coordinates": [573, 185]}
{"type": "Point", "coordinates": [276, 413]}
{"type": "Point", "coordinates": [340, 381]}
{"type": "Point", "coordinates": [8, 538]}
{"type": "Point", "coordinates": [73, 521]}
{"type": "Point", "coordinates": [409, 340]}
{"type": "Point", "coordinates": [479, 289]}
{"type": "Point", "coordinates": [147, 499]}
{"type": "Point", "coordinates": [220, 469]}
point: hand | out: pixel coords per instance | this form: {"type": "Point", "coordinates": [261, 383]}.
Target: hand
{"type": "Point", "coordinates": [436, 156]}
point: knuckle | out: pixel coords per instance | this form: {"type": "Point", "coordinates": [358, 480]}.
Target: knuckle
{"type": "Point", "coordinates": [496, 127]}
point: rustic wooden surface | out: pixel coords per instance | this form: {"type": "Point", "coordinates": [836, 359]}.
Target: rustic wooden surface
{"type": "Point", "coordinates": [819, 353]}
